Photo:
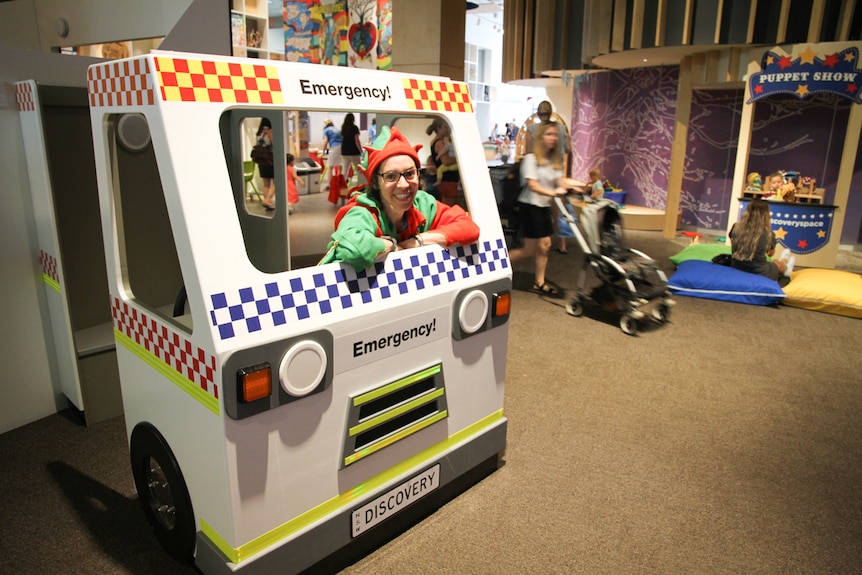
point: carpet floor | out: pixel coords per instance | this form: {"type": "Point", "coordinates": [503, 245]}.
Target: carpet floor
{"type": "Point", "coordinates": [726, 441]}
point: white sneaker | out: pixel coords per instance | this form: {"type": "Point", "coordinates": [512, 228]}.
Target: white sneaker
{"type": "Point", "coordinates": [789, 269]}
{"type": "Point", "coordinates": [785, 255]}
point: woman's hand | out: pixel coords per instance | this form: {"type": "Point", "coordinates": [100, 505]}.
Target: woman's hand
{"type": "Point", "coordinates": [572, 184]}
{"type": "Point", "coordinates": [423, 239]}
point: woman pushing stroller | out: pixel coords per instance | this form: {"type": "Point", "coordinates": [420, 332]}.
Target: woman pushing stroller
{"type": "Point", "coordinates": [543, 180]}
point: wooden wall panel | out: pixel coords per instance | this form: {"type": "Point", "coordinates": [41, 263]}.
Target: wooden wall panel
{"type": "Point", "coordinates": [636, 40]}
{"type": "Point", "coordinates": [543, 35]}
{"type": "Point", "coordinates": [618, 27]}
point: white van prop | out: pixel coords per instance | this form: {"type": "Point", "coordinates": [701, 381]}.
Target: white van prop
{"type": "Point", "coordinates": [279, 411]}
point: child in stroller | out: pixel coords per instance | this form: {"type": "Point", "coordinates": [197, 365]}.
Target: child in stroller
{"type": "Point", "coordinates": [631, 282]}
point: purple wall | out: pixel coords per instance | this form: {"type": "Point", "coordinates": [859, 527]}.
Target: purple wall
{"type": "Point", "coordinates": [624, 123]}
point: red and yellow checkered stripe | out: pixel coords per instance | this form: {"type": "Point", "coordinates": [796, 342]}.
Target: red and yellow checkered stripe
{"type": "Point", "coordinates": [437, 96]}
{"type": "Point", "coordinates": [187, 365]}
{"type": "Point", "coordinates": [49, 265]}
{"type": "Point", "coordinates": [122, 83]}
{"type": "Point", "coordinates": [24, 96]}
{"type": "Point", "coordinates": [186, 80]}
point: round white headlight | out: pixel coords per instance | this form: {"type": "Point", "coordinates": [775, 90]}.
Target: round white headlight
{"type": "Point", "coordinates": [473, 312]}
{"type": "Point", "coordinates": [302, 368]}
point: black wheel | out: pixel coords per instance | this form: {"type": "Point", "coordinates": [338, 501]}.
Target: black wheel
{"type": "Point", "coordinates": [629, 325]}
{"type": "Point", "coordinates": [162, 492]}
{"type": "Point", "coordinates": [661, 313]}
{"type": "Point", "coordinates": [575, 307]}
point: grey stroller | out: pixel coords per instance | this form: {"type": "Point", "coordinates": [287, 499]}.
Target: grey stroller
{"type": "Point", "coordinates": [631, 282]}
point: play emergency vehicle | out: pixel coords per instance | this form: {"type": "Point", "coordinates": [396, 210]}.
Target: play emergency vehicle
{"type": "Point", "coordinates": [279, 411]}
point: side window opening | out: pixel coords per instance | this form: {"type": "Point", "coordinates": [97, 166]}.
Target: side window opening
{"type": "Point", "coordinates": [148, 252]}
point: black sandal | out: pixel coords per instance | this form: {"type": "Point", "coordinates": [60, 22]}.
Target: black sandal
{"type": "Point", "coordinates": [546, 289]}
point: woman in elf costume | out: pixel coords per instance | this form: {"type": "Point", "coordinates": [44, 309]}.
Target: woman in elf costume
{"type": "Point", "coordinates": [391, 213]}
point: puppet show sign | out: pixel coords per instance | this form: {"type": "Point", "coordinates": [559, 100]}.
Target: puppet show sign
{"type": "Point", "coordinates": [808, 73]}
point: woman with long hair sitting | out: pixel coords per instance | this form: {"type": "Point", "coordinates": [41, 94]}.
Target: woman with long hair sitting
{"type": "Point", "coordinates": [752, 241]}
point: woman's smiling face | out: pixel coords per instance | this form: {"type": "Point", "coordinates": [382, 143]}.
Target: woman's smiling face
{"type": "Point", "coordinates": [397, 197]}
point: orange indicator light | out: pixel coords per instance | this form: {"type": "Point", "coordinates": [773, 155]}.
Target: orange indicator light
{"type": "Point", "coordinates": [255, 382]}
{"type": "Point", "coordinates": [502, 303]}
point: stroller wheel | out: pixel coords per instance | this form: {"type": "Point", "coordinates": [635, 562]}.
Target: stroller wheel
{"type": "Point", "coordinates": [629, 325]}
{"type": "Point", "coordinates": [575, 307]}
{"type": "Point", "coordinates": [661, 313]}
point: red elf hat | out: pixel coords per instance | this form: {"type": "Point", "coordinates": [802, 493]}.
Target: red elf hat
{"type": "Point", "coordinates": [390, 142]}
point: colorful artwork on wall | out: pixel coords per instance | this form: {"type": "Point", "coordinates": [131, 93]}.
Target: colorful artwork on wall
{"type": "Point", "coordinates": [384, 34]}
{"type": "Point", "coordinates": [356, 33]}
{"type": "Point", "coordinates": [300, 29]}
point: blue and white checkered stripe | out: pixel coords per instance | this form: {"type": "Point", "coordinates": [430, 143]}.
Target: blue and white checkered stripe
{"type": "Point", "coordinates": [319, 291]}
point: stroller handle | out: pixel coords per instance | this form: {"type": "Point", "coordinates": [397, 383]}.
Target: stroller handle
{"type": "Point", "coordinates": [573, 225]}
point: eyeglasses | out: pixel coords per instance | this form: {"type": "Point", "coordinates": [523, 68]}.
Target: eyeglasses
{"type": "Point", "coordinates": [410, 175]}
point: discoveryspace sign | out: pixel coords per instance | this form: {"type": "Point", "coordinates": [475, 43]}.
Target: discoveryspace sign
{"type": "Point", "coordinates": [808, 74]}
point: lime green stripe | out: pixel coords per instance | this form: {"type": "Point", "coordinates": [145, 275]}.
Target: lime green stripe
{"type": "Point", "coordinates": [395, 385]}
{"type": "Point", "coordinates": [384, 417]}
{"type": "Point", "coordinates": [311, 516]}
{"type": "Point", "coordinates": [375, 447]}
{"type": "Point", "coordinates": [51, 282]}
{"type": "Point", "coordinates": [220, 543]}
{"type": "Point", "coordinates": [169, 372]}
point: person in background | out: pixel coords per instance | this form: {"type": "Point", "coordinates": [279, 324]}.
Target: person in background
{"type": "Point", "coordinates": [293, 183]}
{"type": "Point", "coordinates": [267, 171]}
{"type": "Point", "coordinates": [777, 189]}
{"type": "Point", "coordinates": [372, 131]}
{"type": "Point", "coordinates": [448, 175]}
{"type": "Point", "coordinates": [392, 213]}
{"type": "Point", "coordinates": [351, 148]}
{"type": "Point", "coordinates": [595, 189]}
{"type": "Point", "coordinates": [752, 240]}
{"type": "Point", "coordinates": [430, 173]}
{"type": "Point", "coordinates": [543, 180]}
{"type": "Point", "coordinates": [545, 113]}
{"type": "Point", "coordinates": [332, 144]}
{"type": "Point", "coordinates": [504, 151]}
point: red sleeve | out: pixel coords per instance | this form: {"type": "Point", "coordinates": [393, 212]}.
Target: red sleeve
{"type": "Point", "coordinates": [455, 224]}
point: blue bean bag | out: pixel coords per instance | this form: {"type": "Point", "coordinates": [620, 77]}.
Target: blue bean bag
{"type": "Point", "coordinates": [703, 279]}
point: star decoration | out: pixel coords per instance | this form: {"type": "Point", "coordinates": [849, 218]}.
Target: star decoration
{"type": "Point", "coordinates": [831, 60]}
{"type": "Point", "coordinates": [784, 62]}
{"type": "Point", "coordinates": [802, 244]}
{"type": "Point", "coordinates": [759, 89]}
{"type": "Point", "coordinates": [849, 57]}
{"type": "Point", "coordinates": [802, 91]}
{"type": "Point", "coordinates": [821, 234]}
{"type": "Point", "coordinates": [851, 88]}
{"type": "Point", "coordinates": [807, 57]}
{"type": "Point", "coordinates": [770, 60]}
{"type": "Point", "coordinates": [781, 233]}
